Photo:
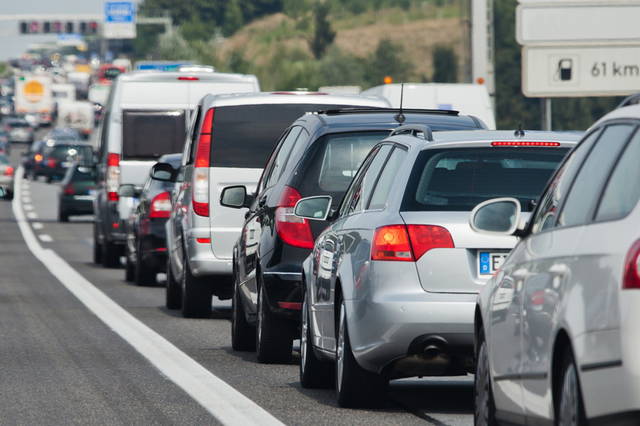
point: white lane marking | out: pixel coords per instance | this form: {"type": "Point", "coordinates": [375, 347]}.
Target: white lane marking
{"type": "Point", "coordinates": [37, 225]}
{"type": "Point", "coordinates": [28, 207]}
{"type": "Point", "coordinates": [32, 215]}
{"type": "Point", "coordinates": [224, 402]}
{"type": "Point", "coordinates": [45, 238]}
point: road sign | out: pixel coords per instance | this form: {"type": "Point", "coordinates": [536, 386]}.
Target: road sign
{"type": "Point", "coordinates": [571, 71]}
{"type": "Point", "coordinates": [119, 19]}
{"type": "Point", "coordinates": [563, 22]}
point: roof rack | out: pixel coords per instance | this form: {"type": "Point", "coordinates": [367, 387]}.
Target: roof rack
{"type": "Point", "coordinates": [364, 110]}
{"type": "Point", "coordinates": [417, 130]}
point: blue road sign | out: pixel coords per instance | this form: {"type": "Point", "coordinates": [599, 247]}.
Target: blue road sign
{"type": "Point", "coordinates": [119, 12]}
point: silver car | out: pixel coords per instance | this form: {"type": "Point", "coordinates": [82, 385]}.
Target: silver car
{"type": "Point", "coordinates": [557, 329]}
{"type": "Point", "coordinates": [391, 285]}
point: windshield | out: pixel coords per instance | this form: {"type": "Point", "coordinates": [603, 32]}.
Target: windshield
{"type": "Point", "coordinates": [82, 154]}
{"type": "Point", "coordinates": [459, 179]}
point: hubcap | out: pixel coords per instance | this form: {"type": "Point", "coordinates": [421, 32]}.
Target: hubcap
{"type": "Point", "coordinates": [303, 335]}
{"type": "Point", "coordinates": [569, 399]}
{"type": "Point", "coordinates": [482, 388]}
{"type": "Point", "coordinates": [340, 350]}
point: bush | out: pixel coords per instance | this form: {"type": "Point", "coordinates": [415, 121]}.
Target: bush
{"type": "Point", "coordinates": [387, 60]}
{"type": "Point", "coordinates": [445, 65]}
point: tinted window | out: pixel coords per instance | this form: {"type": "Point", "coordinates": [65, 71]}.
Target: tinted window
{"type": "Point", "coordinates": [459, 179]}
{"type": "Point", "coordinates": [81, 154]}
{"type": "Point", "coordinates": [591, 177]}
{"type": "Point", "coordinates": [18, 124]}
{"type": "Point", "coordinates": [342, 156]}
{"type": "Point", "coordinates": [280, 159]}
{"type": "Point", "coordinates": [550, 203]}
{"type": "Point", "coordinates": [245, 135]}
{"type": "Point", "coordinates": [389, 173]}
{"type": "Point", "coordinates": [83, 174]}
{"type": "Point", "coordinates": [150, 134]}
{"type": "Point", "coordinates": [369, 178]}
{"type": "Point", "coordinates": [4, 160]}
{"type": "Point", "coordinates": [623, 191]}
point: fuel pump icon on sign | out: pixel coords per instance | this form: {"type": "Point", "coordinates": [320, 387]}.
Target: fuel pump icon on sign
{"type": "Point", "coordinates": [565, 69]}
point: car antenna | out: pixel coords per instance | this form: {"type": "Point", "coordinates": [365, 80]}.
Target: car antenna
{"type": "Point", "coordinates": [519, 131]}
{"type": "Point", "coordinates": [400, 118]}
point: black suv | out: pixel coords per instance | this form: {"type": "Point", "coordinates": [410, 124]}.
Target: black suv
{"type": "Point", "coordinates": [318, 155]}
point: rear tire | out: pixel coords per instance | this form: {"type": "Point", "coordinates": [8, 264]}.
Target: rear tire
{"type": "Point", "coordinates": [485, 410]}
{"type": "Point", "coordinates": [274, 340]}
{"type": "Point", "coordinates": [144, 275]}
{"type": "Point", "coordinates": [97, 247]}
{"type": "Point", "coordinates": [110, 255]}
{"type": "Point", "coordinates": [355, 386]}
{"type": "Point", "coordinates": [570, 410]}
{"type": "Point", "coordinates": [196, 294]}
{"type": "Point", "coordinates": [173, 291]}
{"type": "Point", "coordinates": [314, 373]}
{"type": "Point", "coordinates": [62, 216]}
{"type": "Point", "coordinates": [243, 334]}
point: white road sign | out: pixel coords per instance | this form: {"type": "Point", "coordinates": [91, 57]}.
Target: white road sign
{"type": "Point", "coordinates": [549, 71]}
{"type": "Point", "coordinates": [563, 22]}
{"type": "Point", "coordinates": [119, 19]}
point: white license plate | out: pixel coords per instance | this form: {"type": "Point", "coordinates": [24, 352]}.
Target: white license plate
{"type": "Point", "coordinates": [92, 192]}
{"type": "Point", "coordinates": [66, 164]}
{"type": "Point", "coordinates": [489, 263]}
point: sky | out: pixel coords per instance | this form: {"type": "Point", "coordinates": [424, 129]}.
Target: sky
{"type": "Point", "coordinates": [13, 44]}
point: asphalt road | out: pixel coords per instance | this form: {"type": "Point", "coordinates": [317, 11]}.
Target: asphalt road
{"type": "Point", "coordinates": [62, 364]}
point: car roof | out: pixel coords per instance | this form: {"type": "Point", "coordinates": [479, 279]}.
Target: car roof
{"type": "Point", "coordinates": [462, 138]}
{"type": "Point", "coordinates": [168, 76]}
{"type": "Point", "coordinates": [631, 111]}
{"type": "Point", "coordinates": [262, 98]}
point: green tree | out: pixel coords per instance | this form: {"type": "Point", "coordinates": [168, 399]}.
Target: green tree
{"type": "Point", "coordinates": [233, 18]}
{"type": "Point", "coordinates": [323, 34]}
{"type": "Point", "coordinates": [445, 65]}
{"type": "Point", "coordinates": [238, 63]}
{"type": "Point", "coordinates": [387, 60]}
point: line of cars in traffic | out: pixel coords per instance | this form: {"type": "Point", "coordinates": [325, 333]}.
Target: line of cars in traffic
{"type": "Point", "coordinates": [368, 232]}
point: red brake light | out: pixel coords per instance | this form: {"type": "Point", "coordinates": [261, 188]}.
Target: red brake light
{"type": "Point", "coordinates": [426, 237]}
{"type": "Point", "coordinates": [408, 243]}
{"type": "Point", "coordinates": [292, 229]}
{"type": "Point", "coordinates": [8, 171]}
{"type": "Point", "coordinates": [188, 78]}
{"type": "Point", "coordinates": [201, 171]}
{"type": "Point", "coordinates": [391, 243]}
{"type": "Point", "coordinates": [160, 206]}
{"type": "Point", "coordinates": [524, 143]}
{"type": "Point", "coordinates": [113, 176]}
{"type": "Point", "coordinates": [69, 189]}
{"type": "Point", "coordinates": [51, 162]}
{"type": "Point", "coordinates": [203, 240]}
{"type": "Point", "coordinates": [632, 268]}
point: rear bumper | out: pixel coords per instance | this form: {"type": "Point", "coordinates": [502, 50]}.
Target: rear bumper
{"type": "Point", "coordinates": [413, 333]}
{"type": "Point", "coordinates": [283, 287]}
{"type": "Point", "coordinates": [153, 243]}
{"type": "Point", "coordinates": [202, 261]}
{"type": "Point", "coordinates": [72, 204]}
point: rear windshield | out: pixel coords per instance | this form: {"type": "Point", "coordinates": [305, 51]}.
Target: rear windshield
{"type": "Point", "coordinates": [18, 124]}
{"type": "Point", "coordinates": [459, 179]}
{"type": "Point", "coordinates": [4, 160]}
{"type": "Point", "coordinates": [245, 135]}
{"type": "Point", "coordinates": [83, 174]}
{"type": "Point", "coordinates": [82, 154]}
{"type": "Point", "coordinates": [150, 134]}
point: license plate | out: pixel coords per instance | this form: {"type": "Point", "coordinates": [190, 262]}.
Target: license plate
{"type": "Point", "coordinates": [489, 263]}
{"type": "Point", "coordinates": [66, 164]}
{"type": "Point", "coordinates": [92, 192]}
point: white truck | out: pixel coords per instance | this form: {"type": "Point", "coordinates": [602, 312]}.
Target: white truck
{"type": "Point", "coordinates": [78, 115]}
{"type": "Point", "coordinates": [33, 95]}
{"type": "Point", "coordinates": [469, 99]}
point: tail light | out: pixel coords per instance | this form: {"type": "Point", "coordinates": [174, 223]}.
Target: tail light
{"type": "Point", "coordinates": [51, 162]}
{"type": "Point", "coordinates": [160, 205]}
{"type": "Point", "coordinates": [69, 190]}
{"type": "Point", "coordinates": [113, 176]}
{"type": "Point", "coordinates": [408, 243]}
{"type": "Point", "coordinates": [200, 184]}
{"type": "Point", "coordinates": [188, 78]}
{"type": "Point", "coordinates": [632, 268]}
{"type": "Point", "coordinates": [8, 171]}
{"type": "Point", "coordinates": [38, 157]}
{"type": "Point", "coordinates": [293, 230]}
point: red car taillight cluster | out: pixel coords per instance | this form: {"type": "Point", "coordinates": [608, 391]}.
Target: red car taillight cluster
{"type": "Point", "coordinates": [293, 230]}
{"type": "Point", "coordinates": [113, 176]}
{"type": "Point", "coordinates": [408, 243]}
{"type": "Point", "coordinates": [8, 171]}
{"type": "Point", "coordinates": [200, 182]}
{"type": "Point", "coordinates": [160, 206]}
{"type": "Point", "coordinates": [631, 279]}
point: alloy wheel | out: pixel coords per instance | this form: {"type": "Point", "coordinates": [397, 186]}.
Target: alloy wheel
{"type": "Point", "coordinates": [569, 405]}
{"type": "Point", "coordinates": [482, 389]}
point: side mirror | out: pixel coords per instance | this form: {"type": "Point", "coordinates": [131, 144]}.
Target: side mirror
{"type": "Point", "coordinates": [129, 190]}
{"type": "Point", "coordinates": [235, 197]}
{"type": "Point", "coordinates": [314, 208]}
{"type": "Point", "coordinates": [163, 172]}
{"type": "Point", "coordinates": [496, 216]}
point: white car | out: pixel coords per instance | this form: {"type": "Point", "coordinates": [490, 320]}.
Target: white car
{"type": "Point", "coordinates": [556, 329]}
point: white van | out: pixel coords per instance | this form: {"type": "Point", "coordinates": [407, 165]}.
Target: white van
{"type": "Point", "coordinates": [145, 117]}
{"type": "Point", "coordinates": [469, 99]}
